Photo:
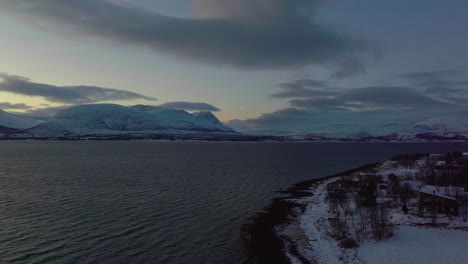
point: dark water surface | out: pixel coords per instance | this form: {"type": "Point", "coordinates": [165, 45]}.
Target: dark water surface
{"type": "Point", "coordinates": [154, 202]}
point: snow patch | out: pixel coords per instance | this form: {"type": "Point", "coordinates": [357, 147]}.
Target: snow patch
{"type": "Point", "coordinates": [418, 245]}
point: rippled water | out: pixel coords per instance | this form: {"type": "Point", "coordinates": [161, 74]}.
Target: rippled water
{"type": "Point", "coordinates": [154, 202]}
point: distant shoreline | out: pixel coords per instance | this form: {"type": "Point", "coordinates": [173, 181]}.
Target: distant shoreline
{"type": "Point", "coordinates": [219, 138]}
{"type": "Point", "coordinates": [263, 244]}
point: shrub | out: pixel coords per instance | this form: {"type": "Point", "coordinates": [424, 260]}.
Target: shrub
{"type": "Point", "coordinates": [348, 243]}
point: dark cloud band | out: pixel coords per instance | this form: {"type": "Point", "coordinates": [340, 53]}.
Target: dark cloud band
{"type": "Point", "coordinates": [65, 94]}
{"type": "Point", "coordinates": [435, 79]}
{"type": "Point", "coordinates": [6, 105]}
{"type": "Point", "coordinates": [240, 33]}
{"type": "Point", "coordinates": [190, 106]}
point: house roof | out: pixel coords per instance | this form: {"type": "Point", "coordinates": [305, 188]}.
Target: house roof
{"type": "Point", "coordinates": [441, 191]}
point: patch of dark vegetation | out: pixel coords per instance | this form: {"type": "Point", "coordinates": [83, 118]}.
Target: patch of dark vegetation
{"type": "Point", "coordinates": [348, 243]}
{"type": "Point", "coordinates": [167, 137]}
{"type": "Point", "coordinates": [210, 135]}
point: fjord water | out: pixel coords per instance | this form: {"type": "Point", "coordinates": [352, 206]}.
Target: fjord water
{"type": "Point", "coordinates": [155, 202]}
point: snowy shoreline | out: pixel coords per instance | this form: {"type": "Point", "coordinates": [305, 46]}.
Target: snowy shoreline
{"type": "Point", "coordinates": [298, 228]}
{"type": "Point", "coordinates": [263, 243]}
{"type": "Point", "coordinates": [310, 239]}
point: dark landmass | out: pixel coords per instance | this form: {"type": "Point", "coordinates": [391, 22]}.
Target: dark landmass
{"type": "Point", "coordinates": [216, 134]}
{"type": "Point", "coordinates": [14, 134]}
{"type": "Point", "coordinates": [168, 137]}
{"type": "Point", "coordinates": [8, 130]}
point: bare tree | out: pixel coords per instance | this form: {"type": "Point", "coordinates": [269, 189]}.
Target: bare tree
{"type": "Point", "coordinates": [464, 208]}
{"type": "Point", "coordinates": [363, 223]}
{"type": "Point", "coordinates": [462, 200]}
{"type": "Point", "coordinates": [379, 223]}
{"type": "Point", "coordinates": [433, 211]}
{"type": "Point", "coordinates": [427, 172]}
{"type": "Point", "coordinates": [345, 204]}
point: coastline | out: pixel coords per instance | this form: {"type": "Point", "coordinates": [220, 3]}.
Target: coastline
{"type": "Point", "coordinates": [263, 244]}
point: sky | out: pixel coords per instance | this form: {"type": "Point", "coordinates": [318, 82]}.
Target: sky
{"type": "Point", "coordinates": [263, 66]}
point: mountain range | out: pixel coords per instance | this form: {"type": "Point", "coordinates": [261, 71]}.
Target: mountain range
{"type": "Point", "coordinates": [111, 121]}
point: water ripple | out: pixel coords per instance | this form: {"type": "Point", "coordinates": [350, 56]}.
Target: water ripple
{"type": "Point", "coordinates": [152, 202]}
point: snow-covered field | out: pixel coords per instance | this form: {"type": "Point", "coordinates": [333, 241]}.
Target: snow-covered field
{"type": "Point", "coordinates": [411, 245]}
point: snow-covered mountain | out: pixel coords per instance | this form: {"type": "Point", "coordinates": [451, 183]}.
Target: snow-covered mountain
{"type": "Point", "coordinates": [393, 137]}
{"type": "Point", "coordinates": [207, 116]}
{"type": "Point", "coordinates": [433, 129]}
{"type": "Point", "coordinates": [442, 124]}
{"type": "Point", "coordinates": [111, 119]}
{"type": "Point", "coordinates": [16, 121]}
{"type": "Point", "coordinates": [204, 117]}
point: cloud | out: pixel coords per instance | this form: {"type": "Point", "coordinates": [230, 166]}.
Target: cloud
{"type": "Point", "coordinates": [320, 104]}
{"type": "Point", "coordinates": [451, 95]}
{"type": "Point", "coordinates": [371, 98]}
{"type": "Point", "coordinates": [313, 94]}
{"type": "Point", "coordinates": [241, 33]}
{"type": "Point", "coordinates": [305, 83]}
{"type": "Point", "coordinates": [279, 115]}
{"type": "Point", "coordinates": [450, 86]}
{"type": "Point", "coordinates": [390, 96]}
{"type": "Point", "coordinates": [316, 107]}
{"type": "Point", "coordinates": [65, 94]}
{"type": "Point", "coordinates": [44, 113]}
{"type": "Point", "coordinates": [6, 105]}
{"type": "Point", "coordinates": [431, 79]}
{"type": "Point", "coordinates": [190, 106]}
{"type": "Point", "coordinates": [254, 9]}
{"type": "Point", "coordinates": [425, 75]}
{"type": "Point", "coordinates": [282, 115]}
{"type": "Point", "coordinates": [443, 91]}
{"type": "Point", "coordinates": [347, 68]}
{"type": "Point", "coordinates": [304, 88]}
{"type": "Point", "coordinates": [275, 123]}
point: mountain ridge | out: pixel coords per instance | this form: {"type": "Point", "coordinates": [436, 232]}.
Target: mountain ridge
{"type": "Point", "coordinates": [112, 119]}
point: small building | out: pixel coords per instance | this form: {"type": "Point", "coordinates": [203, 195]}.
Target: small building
{"type": "Point", "coordinates": [438, 199]}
